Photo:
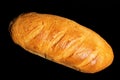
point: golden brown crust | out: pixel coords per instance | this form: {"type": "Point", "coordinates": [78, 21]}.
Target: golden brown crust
{"type": "Point", "coordinates": [63, 41]}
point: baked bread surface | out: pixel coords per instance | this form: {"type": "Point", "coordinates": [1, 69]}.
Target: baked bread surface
{"type": "Point", "coordinates": [61, 40]}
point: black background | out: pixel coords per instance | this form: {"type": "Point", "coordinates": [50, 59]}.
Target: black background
{"type": "Point", "coordinates": [102, 17]}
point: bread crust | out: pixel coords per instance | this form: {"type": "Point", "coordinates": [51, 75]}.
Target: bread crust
{"type": "Point", "coordinates": [62, 40]}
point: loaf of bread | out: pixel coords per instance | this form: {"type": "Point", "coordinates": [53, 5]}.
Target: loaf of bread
{"type": "Point", "coordinates": [62, 41]}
